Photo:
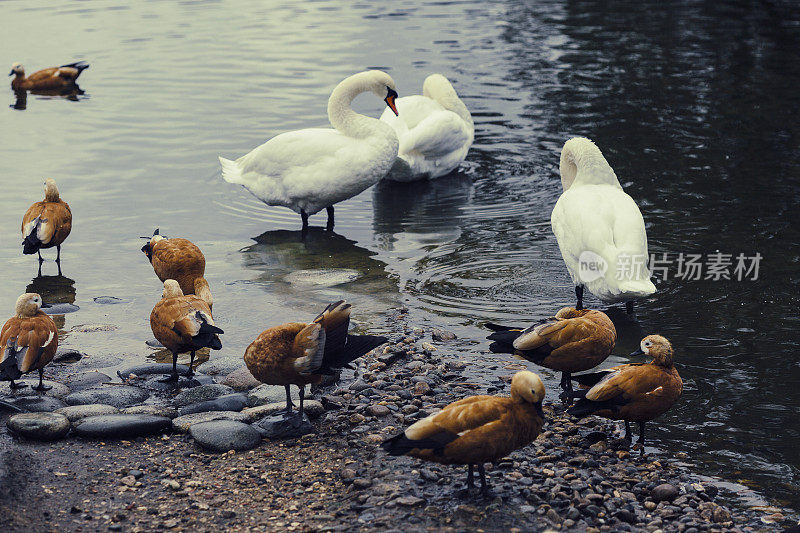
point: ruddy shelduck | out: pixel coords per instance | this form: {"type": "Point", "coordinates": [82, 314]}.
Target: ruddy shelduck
{"type": "Point", "coordinates": [478, 429]}
{"type": "Point", "coordinates": [183, 323]}
{"type": "Point", "coordinates": [573, 341]}
{"type": "Point", "coordinates": [181, 260]}
{"type": "Point", "coordinates": [48, 78]}
{"type": "Point", "coordinates": [633, 392]}
{"type": "Point", "coordinates": [300, 353]}
{"type": "Point", "coordinates": [29, 341]}
{"type": "Point", "coordinates": [46, 223]}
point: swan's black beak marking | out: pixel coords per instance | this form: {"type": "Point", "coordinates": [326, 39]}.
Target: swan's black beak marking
{"type": "Point", "coordinates": [391, 96]}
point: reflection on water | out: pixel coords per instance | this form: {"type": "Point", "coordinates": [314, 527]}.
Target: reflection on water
{"type": "Point", "coordinates": [58, 294]}
{"type": "Point", "coordinates": [72, 93]}
{"type": "Point", "coordinates": [693, 103]}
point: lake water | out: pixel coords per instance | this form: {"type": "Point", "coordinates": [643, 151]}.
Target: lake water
{"type": "Point", "coordinates": [694, 104]}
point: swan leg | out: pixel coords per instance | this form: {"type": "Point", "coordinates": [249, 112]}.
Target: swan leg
{"type": "Point", "coordinates": [329, 225]}
{"type": "Point", "coordinates": [579, 294]}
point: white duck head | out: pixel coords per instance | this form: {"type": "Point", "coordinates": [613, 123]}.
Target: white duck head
{"type": "Point", "coordinates": [18, 69]}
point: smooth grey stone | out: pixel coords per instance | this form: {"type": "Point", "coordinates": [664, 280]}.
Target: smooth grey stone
{"type": "Point", "coordinates": [39, 426]}
{"type": "Point", "coordinates": [221, 366]}
{"type": "Point", "coordinates": [280, 426]}
{"type": "Point", "coordinates": [86, 380]}
{"type": "Point", "coordinates": [116, 395]}
{"type": "Point", "coordinates": [153, 343]}
{"type": "Point", "coordinates": [264, 394]}
{"type": "Point", "coordinates": [229, 402]}
{"type": "Point", "coordinates": [109, 300]}
{"type": "Point", "coordinates": [441, 335]}
{"type": "Point", "coordinates": [60, 309]}
{"type": "Point", "coordinates": [241, 380]}
{"type": "Point", "coordinates": [154, 383]}
{"type": "Point", "coordinates": [38, 404]}
{"type": "Point", "coordinates": [254, 414]}
{"type": "Point", "coordinates": [151, 368]}
{"type": "Point", "coordinates": [325, 277]}
{"type": "Point", "coordinates": [224, 435]}
{"type": "Point", "coordinates": [157, 410]}
{"type": "Point", "coordinates": [183, 423]}
{"type": "Point", "coordinates": [100, 361]}
{"type": "Point", "coordinates": [57, 390]}
{"type": "Point", "coordinates": [121, 426]}
{"type": "Point", "coordinates": [76, 412]}
{"type": "Point", "coordinates": [202, 394]}
{"type": "Point", "coordinates": [66, 354]}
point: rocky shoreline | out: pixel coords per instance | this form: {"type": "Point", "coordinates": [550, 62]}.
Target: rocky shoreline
{"type": "Point", "coordinates": [176, 471]}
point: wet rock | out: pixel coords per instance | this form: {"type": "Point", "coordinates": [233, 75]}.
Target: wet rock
{"type": "Point", "coordinates": [362, 483]}
{"type": "Point", "coordinates": [264, 394]}
{"type": "Point", "coordinates": [37, 404]}
{"type": "Point", "coordinates": [182, 424]}
{"type": "Point", "coordinates": [118, 396]}
{"type": "Point", "coordinates": [323, 277]}
{"type": "Point", "coordinates": [201, 394]}
{"type": "Point", "coordinates": [156, 383]}
{"type": "Point", "coordinates": [228, 402]}
{"type": "Point", "coordinates": [157, 410]}
{"type": "Point", "coordinates": [85, 380]}
{"type": "Point", "coordinates": [109, 300]}
{"type": "Point", "coordinates": [421, 389]}
{"type": "Point", "coordinates": [65, 354]}
{"type": "Point", "coordinates": [57, 389]}
{"type": "Point", "coordinates": [254, 414]}
{"type": "Point", "coordinates": [224, 435]}
{"type": "Point", "coordinates": [664, 492]}
{"type": "Point", "coordinates": [76, 412]}
{"type": "Point", "coordinates": [60, 309]}
{"type": "Point", "coordinates": [241, 380]}
{"type": "Point", "coordinates": [39, 426]}
{"type": "Point", "coordinates": [441, 335]}
{"type": "Point", "coordinates": [153, 343]}
{"type": "Point", "coordinates": [282, 427]}
{"type": "Point", "coordinates": [121, 426]}
{"type": "Point", "coordinates": [100, 361]}
{"type": "Point", "coordinates": [221, 366]}
{"type": "Point", "coordinates": [378, 410]}
{"type": "Point", "coordinates": [313, 408]}
{"type": "Point", "coordinates": [721, 515]}
{"type": "Point", "coordinates": [93, 328]}
{"type": "Point", "coordinates": [151, 368]}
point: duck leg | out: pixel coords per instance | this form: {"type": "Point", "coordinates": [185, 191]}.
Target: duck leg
{"type": "Point", "coordinates": [304, 217]}
{"type": "Point", "coordinates": [641, 435]}
{"type": "Point", "coordinates": [15, 386]}
{"type": "Point", "coordinates": [484, 486]}
{"type": "Point", "coordinates": [302, 397]}
{"type": "Point", "coordinates": [629, 307]}
{"type": "Point", "coordinates": [58, 253]}
{"type": "Point", "coordinates": [329, 225]}
{"type": "Point", "coordinates": [288, 400]}
{"type": "Point", "coordinates": [191, 363]}
{"type": "Point", "coordinates": [470, 477]}
{"type": "Point", "coordinates": [579, 295]}
{"type": "Point", "coordinates": [566, 387]}
{"type": "Point", "coordinates": [174, 376]}
{"type": "Point", "coordinates": [41, 386]}
{"type": "Point", "coordinates": [628, 436]}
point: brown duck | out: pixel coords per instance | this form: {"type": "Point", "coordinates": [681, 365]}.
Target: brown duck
{"type": "Point", "coordinates": [299, 353]}
{"type": "Point", "coordinates": [573, 341]}
{"type": "Point", "coordinates": [48, 78]}
{"type": "Point", "coordinates": [29, 341]}
{"type": "Point", "coordinates": [183, 324]}
{"type": "Point", "coordinates": [47, 223]}
{"type": "Point", "coordinates": [181, 260]}
{"type": "Point", "coordinates": [478, 429]}
{"type": "Point", "coordinates": [632, 392]}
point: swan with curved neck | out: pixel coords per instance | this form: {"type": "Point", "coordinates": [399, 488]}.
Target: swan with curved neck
{"type": "Point", "coordinates": [435, 130]}
{"type": "Point", "coordinates": [599, 228]}
{"type": "Point", "coordinates": [312, 169]}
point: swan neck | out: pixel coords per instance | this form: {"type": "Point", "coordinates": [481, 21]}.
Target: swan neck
{"type": "Point", "coordinates": [341, 114]}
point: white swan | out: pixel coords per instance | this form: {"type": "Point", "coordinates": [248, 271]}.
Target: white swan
{"type": "Point", "coordinates": [435, 131]}
{"type": "Point", "coordinates": [599, 228]}
{"type": "Point", "coordinates": [312, 169]}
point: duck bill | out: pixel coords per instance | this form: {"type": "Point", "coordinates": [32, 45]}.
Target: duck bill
{"type": "Point", "coordinates": [390, 102]}
{"type": "Point", "coordinates": [637, 352]}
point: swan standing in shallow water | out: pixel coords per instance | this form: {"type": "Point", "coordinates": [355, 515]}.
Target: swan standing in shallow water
{"type": "Point", "coordinates": [435, 131]}
{"type": "Point", "coordinates": [312, 169]}
{"type": "Point", "coordinates": [599, 228]}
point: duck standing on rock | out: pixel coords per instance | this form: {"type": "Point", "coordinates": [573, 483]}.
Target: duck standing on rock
{"type": "Point", "coordinates": [46, 224]}
{"type": "Point", "coordinates": [28, 340]}
{"type": "Point", "coordinates": [632, 392]}
{"type": "Point", "coordinates": [299, 354]}
{"type": "Point", "coordinates": [312, 169]}
{"type": "Point", "coordinates": [599, 228]}
{"type": "Point", "coordinates": [574, 341]}
{"type": "Point", "coordinates": [181, 260]}
{"type": "Point", "coordinates": [478, 429]}
{"type": "Point", "coordinates": [183, 323]}
{"type": "Point", "coordinates": [48, 78]}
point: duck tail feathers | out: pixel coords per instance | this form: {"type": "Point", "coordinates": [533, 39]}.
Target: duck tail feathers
{"type": "Point", "coordinates": [31, 244]}
{"type": "Point", "coordinates": [231, 172]}
{"type": "Point", "coordinates": [355, 347]}
{"type": "Point", "coordinates": [80, 65]}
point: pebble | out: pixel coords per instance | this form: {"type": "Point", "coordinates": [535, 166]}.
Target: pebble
{"type": "Point", "coordinates": [224, 435]}
{"type": "Point", "coordinates": [264, 394]}
{"type": "Point", "coordinates": [241, 380]}
{"type": "Point", "coordinates": [157, 410]}
{"type": "Point", "coordinates": [65, 354]}
{"type": "Point", "coordinates": [116, 395]}
{"type": "Point", "coordinates": [39, 426]}
{"type": "Point", "coordinates": [85, 380]}
{"type": "Point", "coordinates": [228, 402]}
{"type": "Point", "coordinates": [281, 427]}
{"type": "Point", "coordinates": [201, 394]}
{"type": "Point", "coordinates": [664, 492]}
{"type": "Point", "coordinates": [109, 300]}
{"type": "Point", "coordinates": [221, 366]}
{"type": "Point", "coordinates": [76, 412]}
{"type": "Point", "coordinates": [182, 424]}
{"type": "Point", "coordinates": [378, 410]}
{"type": "Point", "coordinates": [149, 369]}
{"type": "Point", "coordinates": [421, 389]}
{"type": "Point", "coordinates": [121, 426]}
{"type": "Point", "coordinates": [441, 335]}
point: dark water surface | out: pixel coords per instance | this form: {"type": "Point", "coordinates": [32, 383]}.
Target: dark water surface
{"type": "Point", "coordinates": [694, 104]}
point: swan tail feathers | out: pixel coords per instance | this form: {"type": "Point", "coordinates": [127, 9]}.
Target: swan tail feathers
{"type": "Point", "coordinates": [231, 172]}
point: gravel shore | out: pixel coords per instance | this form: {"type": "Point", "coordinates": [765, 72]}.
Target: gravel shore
{"type": "Point", "coordinates": [574, 477]}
